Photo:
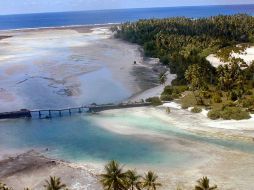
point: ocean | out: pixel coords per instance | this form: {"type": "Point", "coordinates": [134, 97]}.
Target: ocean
{"type": "Point", "coordinates": [39, 20]}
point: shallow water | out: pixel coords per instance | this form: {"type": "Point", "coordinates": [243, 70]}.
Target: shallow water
{"type": "Point", "coordinates": [80, 138]}
{"type": "Point", "coordinates": [65, 68]}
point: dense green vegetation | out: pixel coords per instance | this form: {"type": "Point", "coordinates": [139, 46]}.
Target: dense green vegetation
{"type": "Point", "coordinates": [183, 45]}
{"type": "Point", "coordinates": [180, 42]}
{"type": "Point", "coordinates": [154, 100]}
{"type": "Point", "coordinates": [116, 178]}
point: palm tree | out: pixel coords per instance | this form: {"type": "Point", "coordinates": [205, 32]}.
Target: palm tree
{"type": "Point", "coordinates": [163, 78]}
{"type": "Point", "coordinates": [114, 178]}
{"type": "Point", "coordinates": [203, 184]}
{"type": "Point", "coordinates": [4, 187]}
{"type": "Point", "coordinates": [133, 180]}
{"type": "Point", "coordinates": [54, 183]}
{"type": "Point", "coordinates": [150, 181]}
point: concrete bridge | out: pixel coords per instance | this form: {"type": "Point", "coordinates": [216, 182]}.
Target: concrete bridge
{"type": "Point", "coordinates": [49, 113]}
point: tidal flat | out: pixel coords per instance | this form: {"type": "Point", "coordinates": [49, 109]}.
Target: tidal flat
{"type": "Point", "coordinates": [64, 67]}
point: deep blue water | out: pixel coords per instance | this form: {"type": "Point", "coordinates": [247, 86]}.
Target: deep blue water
{"type": "Point", "coordinates": [115, 16]}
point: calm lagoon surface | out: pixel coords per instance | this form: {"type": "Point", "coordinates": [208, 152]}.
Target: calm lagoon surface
{"type": "Point", "coordinates": [125, 136]}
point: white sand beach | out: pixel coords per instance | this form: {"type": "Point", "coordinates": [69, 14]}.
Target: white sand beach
{"type": "Point", "coordinates": [247, 55]}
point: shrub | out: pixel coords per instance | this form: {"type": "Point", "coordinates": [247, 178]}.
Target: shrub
{"type": "Point", "coordinates": [168, 90]}
{"type": "Point", "coordinates": [205, 94]}
{"type": "Point", "coordinates": [154, 100]}
{"type": "Point", "coordinates": [233, 96]}
{"type": "Point", "coordinates": [214, 114]}
{"type": "Point", "coordinates": [228, 104]}
{"type": "Point", "coordinates": [180, 89]}
{"type": "Point", "coordinates": [196, 110]}
{"type": "Point", "coordinates": [165, 97]}
{"type": "Point", "coordinates": [184, 106]}
{"type": "Point", "coordinates": [248, 102]}
{"type": "Point", "coordinates": [216, 98]}
{"type": "Point", "coordinates": [173, 91]}
{"type": "Point", "coordinates": [248, 92]}
{"type": "Point", "coordinates": [234, 113]}
{"type": "Point", "coordinates": [228, 113]}
{"type": "Point", "coordinates": [175, 95]}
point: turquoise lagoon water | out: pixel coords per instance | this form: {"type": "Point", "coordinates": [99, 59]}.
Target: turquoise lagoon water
{"type": "Point", "coordinates": [79, 139]}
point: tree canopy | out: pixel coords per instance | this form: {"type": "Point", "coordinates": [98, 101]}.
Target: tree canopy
{"type": "Point", "coordinates": [180, 42]}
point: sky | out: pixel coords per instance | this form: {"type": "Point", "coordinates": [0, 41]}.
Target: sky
{"type": "Point", "coordinates": [36, 6]}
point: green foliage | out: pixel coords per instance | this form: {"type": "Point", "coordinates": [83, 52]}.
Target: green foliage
{"type": "Point", "coordinates": [196, 110]}
{"type": "Point", "coordinates": [154, 100]}
{"type": "Point", "coordinates": [233, 95]}
{"type": "Point", "coordinates": [248, 92]}
{"type": "Point", "coordinates": [4, 187]}
{"type": "Point", "coordinates": [150, 181]}
{"type": "Point", "coordinates": [54, 183]}
{"type": "Point", "coordinates": [248, 102]}
{"type": "Point", "coordinates": [225, 53]}
{"type": "Point", "coordinates": [216, 98]}
{"type": "Point", "coordinates": [165, 97]}
{"type": "Point", "coordinates": [204, 184]}
{"type": "Point", "coordinates": [214, 114]}
{"type": "Point", "coordinates": [196, 76]}
{"type": "Point", "coordinates": [133, 180]}
{"type": "Point", "coordinates": [188, 100]}
{"type": "Point", "coordinates": [228, 113]}
{"type": "Point", "coordinates": [231, 79]}
{"type": "Point", "coordinates": [228, 104]}
{"type": "Point", "coordinates": [172, 92]}
{"type": "Point", "coordinates": [180, 42]}
{"type": "Point", "coordinates": [184, 106]}
{"type": "Point", "coordinates": [115, 178]}
{"type": "Point", "coordinates": [234, 113]}
{"type": "Point", "coordinates": [162, 78]}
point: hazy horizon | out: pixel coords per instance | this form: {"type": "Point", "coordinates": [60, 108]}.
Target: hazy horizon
{"type": "Point", "coordinates": [32, 7]}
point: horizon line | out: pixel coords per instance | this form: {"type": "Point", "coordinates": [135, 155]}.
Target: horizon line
{"type": "Point", "coordinates": [91, 10]}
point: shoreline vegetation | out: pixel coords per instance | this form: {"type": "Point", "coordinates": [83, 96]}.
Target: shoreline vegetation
{"type": "Point", "coordinates": [184, 44]}
{"type": "Point", "coordinates": [113, 177]}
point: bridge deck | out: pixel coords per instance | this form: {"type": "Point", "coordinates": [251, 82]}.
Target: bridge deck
{"type": "Point", "coordinates": [88, 108]}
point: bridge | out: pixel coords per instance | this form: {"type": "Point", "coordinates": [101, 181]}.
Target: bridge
{"type": "Point", "coordinates": [49, 113]}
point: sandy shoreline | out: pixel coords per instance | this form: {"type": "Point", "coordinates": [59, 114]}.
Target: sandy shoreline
{"type": "Point", "coordinates": [67, 63]}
